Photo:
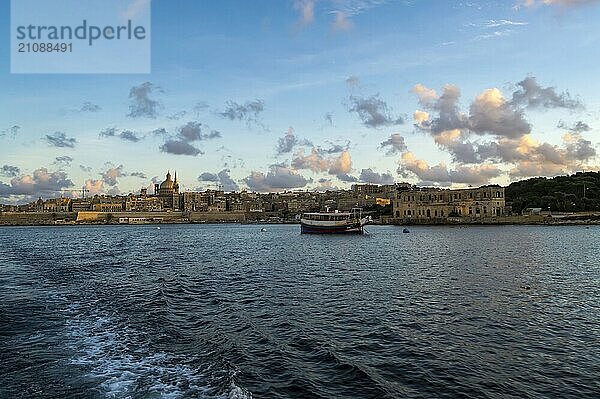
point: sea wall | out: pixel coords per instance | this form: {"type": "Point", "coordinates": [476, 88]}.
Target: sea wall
{"type": "Point", "coordinates": [574, 218]}
{"type": "Point", "coordinates": [45, 218]}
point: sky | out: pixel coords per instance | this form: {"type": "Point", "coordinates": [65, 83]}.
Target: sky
{"type": "Point", "coordinates": [315, 95]}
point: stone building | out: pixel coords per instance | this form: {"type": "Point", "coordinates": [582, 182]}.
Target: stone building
{"type": "Point", "coordinates": [143, 203]}
{"type": "Point", "coordinates": [103, 203]}
{"type": "Point", "coordinates": [57, 205]}
{"type": "Point", "coordinates": [168, 193]}
{"type": "Point", "coordinates": [195, 202]}
{"type": "Point", "coordinates": [431, 203]}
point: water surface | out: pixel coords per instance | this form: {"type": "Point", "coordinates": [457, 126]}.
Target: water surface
{"type": "Point", "coordinates": [227, 311]}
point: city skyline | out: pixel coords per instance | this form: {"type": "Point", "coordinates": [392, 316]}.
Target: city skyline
{"type": "Point", "coordinates": [314, 95]}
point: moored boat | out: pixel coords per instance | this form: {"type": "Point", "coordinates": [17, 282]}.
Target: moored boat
{"type": "Point", "coordinates": [333, 222]}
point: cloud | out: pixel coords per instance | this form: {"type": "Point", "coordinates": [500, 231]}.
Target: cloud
{"type": "Point", "coordinates": [373, 111]}
{"type": "Point", "coordinates": [317, 161]}
{"type": "Point", "coordinates": [561, 3]}
{"type": "Point", "coordinates": [352, 81]}
{"type": "Point", "coordinates": [495, 130]}
{"type": "Point", "coordinates": [111, 175]}
{"type": "Point", "coordinates": [278, 178]}
{"type": "Point", "coordinates": [369, 176]}
{"type": "Point", "coordinates": [160, 132]}
{"type": "Point", "coordinates": [128, 135]}
{"type": "Point", "coordinates": [141, 175]}
{"type": "Point", "coordinates": [427, 97]}
{"type": "Point", "coordinates": [355, 7]}
{"type": "Point", "coordinates": [531, 95]}
{"type": "Point", "coordinates": [177, 115]}
{"type": "Point", "coordinates": [341, 165]}
{"type": "Point", "coordinates": [341, 22]}
{"type": "Point", "coordinates": [247, 112]}
{"type": "Point", "coordinates": [192, 131]}
{"type": "Point", "coordinates": [187, 134]}
{"type": "Point", "coordinates": [497, 33]}
{"type": "Point", "coordinates": [11, 132]}
{"type": "Point", "coordinates": [180, 147]}
{"type": "Point", "coordinates": [86, 169]}
{"type": "Point", "coordinates": [475, 175]}
{"type": "Point", "coordinates": [334, 148]}
{"type": "Point", "coordinates": [287, 143]}
{"type": "Point", "coordinates": [306, 11]}
{"type": "Point", "coordinates": [94, 187]}
{"type": "Point", "coordinates": [207, 176]}
{"type": "Point", "coordinates": [125, 135]}
{"type": "Point", "coordinates": [394, 144]}
{"type": "Point", "coordinates": [490, 113]}
{"type": "Point", "coordinates": [60, 139]}
{"type": "Point", "coordinates": [40, 183]}
{"type": "Point", "coordinates": [89, 107]}
{"type": "Point", "coordinates": [496, 23]}
{"type": "Point", "coordinates": [345, 177]}
{"type": "Point", "coordinates": [532, 158]}
{"type": "Point", "coordinates": [525, 153]}
{"type": "Point", "coordinates": [141, 104]}
{"type": "Point", "coordinates": [325, 185]}
{"type": "Point", "coordinates": [10, 171]}
{"type": "Point", "coordinates": [64, 161]}
{"type": "Point", "coordinates": [578, 127]}
{"type": "Point", "coordinates": [226, 181]}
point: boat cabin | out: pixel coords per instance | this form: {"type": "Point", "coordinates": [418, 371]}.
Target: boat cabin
{"type": "Point", "coordinates": [326, 216]}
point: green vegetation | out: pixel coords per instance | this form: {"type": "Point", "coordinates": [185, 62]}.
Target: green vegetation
{"type": "Point", "coordinates": [561, 193]}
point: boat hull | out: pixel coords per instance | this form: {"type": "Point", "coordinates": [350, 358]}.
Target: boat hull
{"type": "Point", "coordinates": [345, 229]}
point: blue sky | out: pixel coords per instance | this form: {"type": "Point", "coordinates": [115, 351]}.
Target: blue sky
{"type": "Point", "coordinates": [305, 94]}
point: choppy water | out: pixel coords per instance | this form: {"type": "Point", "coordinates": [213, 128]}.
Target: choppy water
{"type": "Point", "coordinates": [229, 312]}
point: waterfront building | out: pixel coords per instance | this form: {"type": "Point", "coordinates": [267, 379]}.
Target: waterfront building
{"type": "Point", "coordinates": [101, 203]}
{"type": "Point", "coordinates": [432, 203]}
{"type": "Point", "coordinates": [56, 205]}
{"type": "Point", "coordinates": [81, 204]}
{"type": "Point", "coordinates": [168, 192]}
{"type": "Point", "coordinates": [195, 202]}
{"type": "Point", "coordinates": [143, 203]}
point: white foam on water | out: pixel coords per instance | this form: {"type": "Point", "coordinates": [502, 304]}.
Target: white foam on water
{"type": "Point", "coordinates": [119, 361]}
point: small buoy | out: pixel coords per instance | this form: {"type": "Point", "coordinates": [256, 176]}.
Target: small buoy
{"type": "Point", "coordinates": [158, 228]}
{"type": "Point", "coordinates": [263, 230]}
{"type": "Point", "coordinates": [526, 287]}
{"type": "Point", "coordinates": [405, 231]}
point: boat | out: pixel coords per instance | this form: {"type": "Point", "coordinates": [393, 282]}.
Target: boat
{"type": "Point", "coordinates": [334, 222]}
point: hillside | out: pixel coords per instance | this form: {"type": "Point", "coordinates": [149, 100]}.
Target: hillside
{"type": "Point", "coordinates": [561, 193]}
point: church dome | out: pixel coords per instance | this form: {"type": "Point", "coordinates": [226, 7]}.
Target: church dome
{"type": "Point", "coordinates": [168, 183]}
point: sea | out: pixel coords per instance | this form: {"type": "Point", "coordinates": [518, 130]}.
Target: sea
{"type": "Point", "coordinates": [230, 311]}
